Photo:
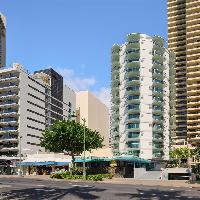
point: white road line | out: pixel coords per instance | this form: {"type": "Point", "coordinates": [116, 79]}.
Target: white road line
{"type": "Point", "coordinates": [76, 185]}
{"type": "Point", "coordinates": [40, 185]}
{"type": "Point", "coordinates": [171, 189]}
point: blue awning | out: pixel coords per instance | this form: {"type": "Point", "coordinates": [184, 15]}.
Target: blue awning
{"type": "Point", "coordinates": [116, 158]}
{"type": "Point", "coordinates": [41, 163]}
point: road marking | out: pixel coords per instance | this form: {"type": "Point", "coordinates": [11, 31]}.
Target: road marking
{"type": "Point", "coordinates": [165, 195]}
{"type": "Point", "coordinates": [153, 194]}
{"type": "Point", "coordinates": [141, 193]}
{"type": "Point", "coordinates": [39, 189]}
{"type": "Point", "coordinates": [50, 190]}
{"type": "Point", "coordinates": [45, 190]}
{"type": "Point", "coordinates": [171, 189]}
{"type": "Point", "coordinates": [40, 185]}
{"type": "Point", "coordinates": [189, 197]}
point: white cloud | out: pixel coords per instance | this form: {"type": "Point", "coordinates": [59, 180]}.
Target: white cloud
{"type": "Point", "coordinates": [104, 95]}
{"type": "Point", "coordinates": [74, 81]}
{"type": "Point", "coordinates": [77, 83]}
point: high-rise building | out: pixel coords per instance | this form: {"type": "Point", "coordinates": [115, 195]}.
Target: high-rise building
{"type": "Point", "coordinates": [26, 109]}
{"type": "Point", "coordinates": [184, 40]}
{"type": "Point", "coordinates": [94, 112]}
{"type": "Point", "coordinates": [2, 41]}
{"type": "Point", "coordinates": [142, 69]}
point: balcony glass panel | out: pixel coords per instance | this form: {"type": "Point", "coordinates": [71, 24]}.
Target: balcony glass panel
{"type": "Point", "coordinates": [133, 125]}
{"type": "Point", "coordinates": [9, 128]}
{"type": "Point", "coordinates": [133, 134]}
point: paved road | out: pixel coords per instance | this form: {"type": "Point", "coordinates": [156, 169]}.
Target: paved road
{"type": "Point", "coordinates": [25, 188]}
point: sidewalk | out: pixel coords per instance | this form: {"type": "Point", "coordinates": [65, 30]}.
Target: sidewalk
{"type": "Point", "coordinates": [128, 181]}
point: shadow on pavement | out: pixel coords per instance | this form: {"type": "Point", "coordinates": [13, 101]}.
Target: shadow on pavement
{"type": "Point", "coordinates": [157, 194]}
{"type": "Point", "coordinates": [53, 193]}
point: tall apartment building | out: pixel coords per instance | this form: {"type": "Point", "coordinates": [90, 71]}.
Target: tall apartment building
{"type": "Point", "coordinates": [95, 112]}
{"type": "Point", "coordinates": [184, 40]}
{"type": "Point", "coordinates": [27, 107]}
{"type": "Point", "coordinates": [142, 69]}
{"type": "Point", "coordinates": [2, 41]}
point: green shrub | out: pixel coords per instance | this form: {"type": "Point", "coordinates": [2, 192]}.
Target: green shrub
{"type": "Point", "coordinates": [76, 171]}
{"type": "Point", "coordinates": [66, 175]}
{"type": "Point", "coordinates": [97, 177]}
{"type": "Point", "coordinates": [56, 175]}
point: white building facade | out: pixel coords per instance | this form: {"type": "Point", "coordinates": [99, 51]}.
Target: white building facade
{"type": "Point", "coordinates": [27, 108]}
{"type": "Point", "coordinates": [140, 123]}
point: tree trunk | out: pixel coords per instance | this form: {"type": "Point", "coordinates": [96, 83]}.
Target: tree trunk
{"type": "Point", "coordinates": [72, 164]}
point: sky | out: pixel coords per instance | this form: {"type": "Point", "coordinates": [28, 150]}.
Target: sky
{"type": "Point", "coordinates": [75, 36]}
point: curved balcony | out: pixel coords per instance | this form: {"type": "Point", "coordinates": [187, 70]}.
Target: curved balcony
{"type": "Point", "coordinates": [133, 47]}
{"type": "Point", "coordinates": [158, 85]}
{"type": "Point", "coordinates": [157, 76]}
{"type": "Point", "coordinates": [133, 139]}
{"type": "Point", "coordinates": [115, 48]}
{"type": "Point", "coordinates": [115, 133]}
{"type": "Point", "coordinates": [132, 92]}
{"type": "Point", "coordinates": [157, 139]}
{"type": "Point", "coordinates": [114, 73]}
{"type": "Point", "coordinates": [134, 130]}
{"type": "Point", "coordinates": [158, 103]}
{"type": "Point", "coordinates": [133, 64]}
{"type": "Point", "coordinates": [157, 112]}
{"type": "Point", "coordinates": [115, 107]}
{"type": "Point", "coordinates": [134, 110]}
{"type": "Point", "coordinates": [115, 65]}
{"type": "Point", "coordinates": [132, 74]}
{"type": "Point", "coordinates": [132, 83]}
{"type": "Point", "coordinates": [157, 121]}
{"type": "Point", "coordinates": [115, 57]}
{"type": "Point", "coordinates": [158, 41]}
{"type": "Point", "coordinates": [158, 67]}
{"type": "Point", "coordinates": [159, 49]}
{"type": "Point", "coordinates": [114, 90]}
{"type": "Point", "coordinates": [132, 56]}
{"type": "Point", "coordinates": [133, 38]}
{"type": "Point", "coordinates": [133, 120]}
{"type": "Point", "coordinates": [115, 99]}
{"type": "Point", "coordinates": [155, 130]}
{"type": "Point", "coordinates": [157, 94]}
{"type": "Point", "coordinates": [133, 147]}
{"type": "Point", "coordinates": [133, 101]}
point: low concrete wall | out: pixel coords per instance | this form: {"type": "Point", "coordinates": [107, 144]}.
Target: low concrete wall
{"type": "Point", "coordinates": [138, 172]}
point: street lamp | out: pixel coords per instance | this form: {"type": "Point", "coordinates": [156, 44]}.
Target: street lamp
{"type": "Point", "coordinates": [84, 121]}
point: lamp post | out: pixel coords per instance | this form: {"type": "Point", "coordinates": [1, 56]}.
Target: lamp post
{"type": "Point", "coordinates": [84, 121]}
{"type": "Point", "coordinates": [84, 170]}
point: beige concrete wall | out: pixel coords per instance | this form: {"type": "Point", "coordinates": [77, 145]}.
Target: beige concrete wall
{"type": "Point", "coordinates": [95, 112]}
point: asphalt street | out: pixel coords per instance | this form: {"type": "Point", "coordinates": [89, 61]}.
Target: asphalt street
{"type": "Point", "coordinates": [25, 188]}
